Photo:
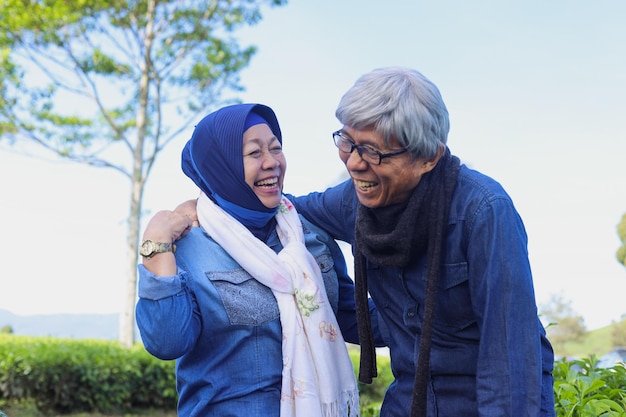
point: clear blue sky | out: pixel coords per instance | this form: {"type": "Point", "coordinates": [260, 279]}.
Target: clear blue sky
{"type": "Point", "coordinates": [536, 92]}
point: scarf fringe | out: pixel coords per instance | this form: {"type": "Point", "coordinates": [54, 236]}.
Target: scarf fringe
{"type": "Point", "coordinates": [347, 406]}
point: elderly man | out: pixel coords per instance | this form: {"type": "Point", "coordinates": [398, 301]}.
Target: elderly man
{"type": "Point", "coordinates": [443, 253]}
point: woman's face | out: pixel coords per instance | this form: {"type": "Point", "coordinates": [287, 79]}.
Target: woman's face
{"type": "Point", "coordinates": [264, 164]}
{"type": "Point", "coordinates": [392, 181]}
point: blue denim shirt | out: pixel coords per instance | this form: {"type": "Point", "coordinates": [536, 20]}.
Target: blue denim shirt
{"type": "Point", "coordinates": [489, 356]}
{"type": "Point", "coordinates": [223, 326]}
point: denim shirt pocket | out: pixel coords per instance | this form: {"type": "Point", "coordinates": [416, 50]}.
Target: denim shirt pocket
{"type": "Point", "coordinates": [454, 303]}
{"type": "Point", "coordinates": [327, 267]}
{"type": "Point", "coordinates": [246, 301]}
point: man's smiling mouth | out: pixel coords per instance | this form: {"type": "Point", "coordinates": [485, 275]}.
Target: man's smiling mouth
{"type": "Point", "coordinates": [365, 185]}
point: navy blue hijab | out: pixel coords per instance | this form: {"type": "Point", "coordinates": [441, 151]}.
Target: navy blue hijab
{"type": "Point", "coordinates": [213, 159]}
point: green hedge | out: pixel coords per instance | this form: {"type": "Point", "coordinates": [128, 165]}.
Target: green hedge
{"type": "Point", "coordinates": [62, 376]}
{"type": "Point", "coordinates": [70, 376]}
{"type": "Point", "coordinates": [67, 375]}
{"type": "Point", "coordinates": [371, 395]}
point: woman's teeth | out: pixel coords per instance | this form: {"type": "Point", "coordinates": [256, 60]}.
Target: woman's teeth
{"type": "Point", "coordinates": [267, 183]}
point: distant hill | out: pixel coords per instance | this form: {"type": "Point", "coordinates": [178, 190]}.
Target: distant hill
{"type": "Point", "coordinates": [75, 326]}
{"type": "Point", "coordinates": [596, 342]}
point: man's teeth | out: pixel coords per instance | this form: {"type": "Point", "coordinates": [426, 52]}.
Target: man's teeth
{"type": "Point", "coordinates": [364, 184]}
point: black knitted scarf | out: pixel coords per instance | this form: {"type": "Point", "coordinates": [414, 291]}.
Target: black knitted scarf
{"type": "Point", "coordinates": [394, 236]}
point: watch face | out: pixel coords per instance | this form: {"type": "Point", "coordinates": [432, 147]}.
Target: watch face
{"type": "Point", "coordinates": [147, 248]}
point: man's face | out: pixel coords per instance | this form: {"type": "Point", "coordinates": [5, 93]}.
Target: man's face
{"type": "Point", "coordinates": [392, 181]}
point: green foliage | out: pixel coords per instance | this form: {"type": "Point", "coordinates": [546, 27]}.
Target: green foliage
{"type": "Point", "coordinates": [371, 395]}
{"type": "Point", "coordinates": [63, 375]}
{"type": "Point", "coordinates": [582, 389]}
{"type": "Point", "coordinates": [146, 61]}
{"type": "Point", "coordinates": [6, 329]}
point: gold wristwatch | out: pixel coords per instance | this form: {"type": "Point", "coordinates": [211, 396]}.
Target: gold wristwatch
{"type": "Point", "coordinates": [149, 248]}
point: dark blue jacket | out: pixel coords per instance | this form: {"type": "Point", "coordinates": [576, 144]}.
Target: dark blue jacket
{"type": "Point", "coordinates": [489, 356]}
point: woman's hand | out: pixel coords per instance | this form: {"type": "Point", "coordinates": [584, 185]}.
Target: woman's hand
{"type": "Point", "coordinates": [168, 226]}
{"type": "Point", "coordinates": [188, 208]}
{"type": "Point", "coordinates": [165, 226]}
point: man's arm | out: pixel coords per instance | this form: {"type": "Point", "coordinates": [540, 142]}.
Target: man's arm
{"type": "Point", "coordinates": [334, 210]}
{"type": "Point", "coordinates": [509, 368]}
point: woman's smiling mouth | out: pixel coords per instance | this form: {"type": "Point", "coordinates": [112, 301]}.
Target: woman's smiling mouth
{"type": "Point", "coordinates": [268, 183]}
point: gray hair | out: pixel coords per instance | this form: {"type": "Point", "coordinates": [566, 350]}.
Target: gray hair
{"type": "Point", "coordinates": [398, 103]}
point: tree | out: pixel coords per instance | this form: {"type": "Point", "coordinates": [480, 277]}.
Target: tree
{"type": "Point", "coordinates": [621, 232]}
{"type": "Point", "coordinates": [565, 324]}
{"type": "Point", "coordinates": [103, 83]}
{"type": "Point", "coordinates": [7, 329]}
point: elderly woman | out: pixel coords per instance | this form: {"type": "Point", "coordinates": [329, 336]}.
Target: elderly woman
{"type": "Point", "coordinates": [246, 303]}
{"type": "Point", "coordinates": [443, 253]}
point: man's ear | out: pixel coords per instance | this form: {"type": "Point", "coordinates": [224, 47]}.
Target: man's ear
{"type": "Point", "coordinates": [432, 163]}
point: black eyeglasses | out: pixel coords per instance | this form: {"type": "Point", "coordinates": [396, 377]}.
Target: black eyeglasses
{"type": "Point", "coordinates": [367, 153]}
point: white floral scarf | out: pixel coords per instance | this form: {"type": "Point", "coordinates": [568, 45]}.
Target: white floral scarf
{"type": "Point", "coordinates": [318, 378]}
